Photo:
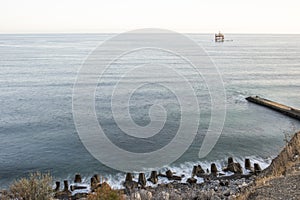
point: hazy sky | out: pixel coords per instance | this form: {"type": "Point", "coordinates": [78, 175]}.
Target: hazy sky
{"type": "Point", "coordinates": [229, 16]}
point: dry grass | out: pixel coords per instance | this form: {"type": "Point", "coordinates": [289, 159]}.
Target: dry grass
{"type": "Point", "coordinates": [105, 193]}
{"type": "Point", "coordinates": [37, 186]}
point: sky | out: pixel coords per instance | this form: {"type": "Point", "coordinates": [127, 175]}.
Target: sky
{"type": "Point", "coordinates": [187, 16]}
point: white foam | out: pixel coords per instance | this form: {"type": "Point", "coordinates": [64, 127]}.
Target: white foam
{"type": "Point", "coordinates": [116, 181]}
{"type": "Point", "coordinates": [185, 169]}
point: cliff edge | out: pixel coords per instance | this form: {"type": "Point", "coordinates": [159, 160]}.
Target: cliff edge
{"type": "Point", "coordinates": [281, 180]}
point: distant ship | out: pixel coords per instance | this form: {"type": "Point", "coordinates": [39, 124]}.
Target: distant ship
{"type": "Point", "coordinates": [219, 37]}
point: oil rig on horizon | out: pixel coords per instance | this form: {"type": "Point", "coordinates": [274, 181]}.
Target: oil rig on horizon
{"type": "Point", "coordinates": [219, 37]}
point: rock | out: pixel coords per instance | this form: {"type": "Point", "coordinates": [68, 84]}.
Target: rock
{"type": "Point", "coordinates": [233, 167]}
{"type": "Point", "coordinates": [95, 182]}
{"type": "Point", "coordinates": [227, 193]}
{"type": "Point", "coordinates": [145, 195]}
{"type": "Point", "coordinates": [238, 168]}
{"type": "Point", "coordinates": [213, 169]}
{"type": "Point", "coordinates": [97, 178]}
{"type": "Point", "coordinates": [176, 178]}
{"type": "Point", "coordinates": [169, 174]}
{"type": "Point", "coordinates": [207, 179]}
{"type": "Point", "coordinates": [65, 194]}
{"type": "Point", "coordinates": [130, 184]}
{"type": "Point", "coordinates": [128, 177]}
{"type": "Point", "coordinates": [77, 178]}
{"type": "Point", "coordinates": [135, 196]}
{"type": "Point", "coordinates": [244, 184]}
{"type": "Point", "coordinates": [248, 164]}
{"type": "Point", "coordinates": [57, 187]}
{"type": "Point", "coordinates": [66, 185]}
{"type": "Point", "coordinates": [224, 183]}
{"type": "Point", "coordinates": [169, 186]}
{"type": "Point", "coordinates": [164, 196]}
{"type": "Point", "coordinates": [153, 177]}
{"type": "Point", "coordinates": [230, 160]}
{"type": "Point", "coordinates": [197, 171]}
{"type": "Point", "coordinates": [142, 180]}
{"type": "Point", "coordinates": [191, 180]}
{"type": "Point", "coordinates": [175, 196]}
{"type": "Point", "coordinates": [257, 168]}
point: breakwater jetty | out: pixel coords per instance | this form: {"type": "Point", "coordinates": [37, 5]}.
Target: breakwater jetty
{"type": "Point", "coordinates": [289, 111]}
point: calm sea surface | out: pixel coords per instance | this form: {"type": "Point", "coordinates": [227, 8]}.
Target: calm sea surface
{"type": "Point", "coordinates": [37, 74]}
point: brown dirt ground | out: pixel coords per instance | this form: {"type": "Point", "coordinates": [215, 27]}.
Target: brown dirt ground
{"type": "Point", "coordinates": [281, 180]}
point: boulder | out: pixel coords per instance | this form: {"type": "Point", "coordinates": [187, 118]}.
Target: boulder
{"type": "Point", "coordinates": [153, 177]}
{"type": "Point", "coordinates": [169, 174]}
{"type": "Point", "coordinates": [233, 167]}
{"type": "Point", "coordinates": [257, 168]}
{"type": "Point", "coordinates": [191, 180]}
{"type": "Point", "coordinates": [129, 183]}
{"type": "Point", "coordinates": [142, 180]}
{"type": "Point", "coordinates": [176, 178]}
{"type": "Point", "coordinates": [97, 178]}
{"type": "Point", "coordinates": [94, 183]}
{"type": "Point", "coordinates": [66, 185]}
{"type": "Point", "coordinates": [248, 164]}
{"type": "Point", "coordinates": [65, 194]}
{"type": "Point", "coordinates": [213, 169]}
{"type": "Point", "coordinates": [230, 160]}
{"type": "Point", "coordinates": [197, 171]}
{"type": "Point", "coordinates": [128, 177]}
{"type": "Point", "coordinates": [57, 186]}
{"type": "Point", "coordinates": [77, 178]}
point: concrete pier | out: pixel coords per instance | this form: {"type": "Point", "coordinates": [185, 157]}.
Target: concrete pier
{"type": "Point", "coordinates": [289, 111]}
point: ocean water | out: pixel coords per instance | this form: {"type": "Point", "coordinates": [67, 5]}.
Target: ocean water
{"type": "Point", "coordinates": [38, 72]}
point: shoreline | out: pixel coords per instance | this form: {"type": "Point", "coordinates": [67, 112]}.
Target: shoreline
{"type": "Point", "coordinates": [215, 185]}
{"type": "Point", "coordinates": [236, 186]}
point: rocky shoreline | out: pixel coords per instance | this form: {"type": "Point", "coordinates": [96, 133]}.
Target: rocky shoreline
{"type": "Point", "coordinates": [215, 183]}
{"type": "Point", "coordinates": [280, 180]}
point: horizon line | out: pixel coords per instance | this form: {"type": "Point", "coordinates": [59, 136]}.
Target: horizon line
{"type": "Point", "coordinates": [119, 32]}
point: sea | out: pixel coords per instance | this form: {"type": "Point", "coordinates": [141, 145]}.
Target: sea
{"type": "Point", "coordinates": [37, 129]}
